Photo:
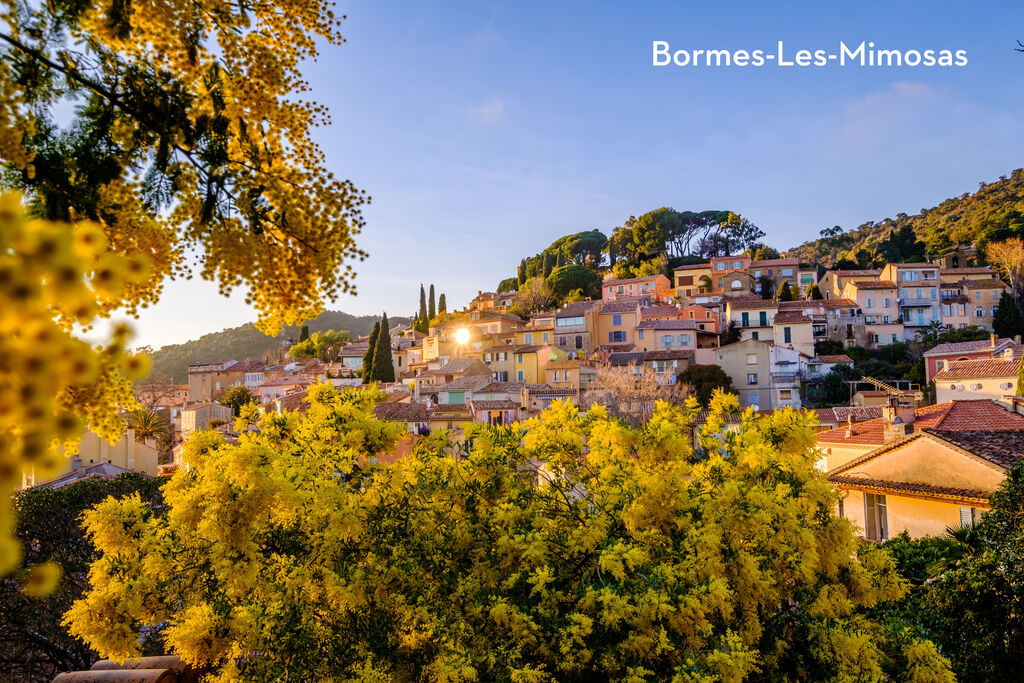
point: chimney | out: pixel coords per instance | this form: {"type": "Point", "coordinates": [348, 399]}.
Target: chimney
{"type": "Point", "coordinates": [897, 422]}
{"type": "Point", "coordinates": [993, 339]}
{"type": "Point", "coordinates": [849, 426]}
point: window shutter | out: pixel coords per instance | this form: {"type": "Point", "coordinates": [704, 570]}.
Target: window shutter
{"type": "Point", "coordinates": [966, 519]}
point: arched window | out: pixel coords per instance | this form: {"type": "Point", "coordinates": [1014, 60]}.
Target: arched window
{"type": "Point", "coordinates": [736, 284]}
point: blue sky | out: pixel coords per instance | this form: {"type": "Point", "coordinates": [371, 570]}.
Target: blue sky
{"type": "Point", "coordinates": [483, 131]}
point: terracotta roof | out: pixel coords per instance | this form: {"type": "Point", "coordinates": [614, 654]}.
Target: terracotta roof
{"type": "Point", "coordinates": [466, 382]}
{"type": "Point", "coordinates": [577, 308]}
{"type": "Point", "coordinates": [972, 270]}
{"type": "Point", "coordinates": [837, 303]}
{"type": "Point", "coordinates": [501, 388]}
{"type": "Point", "coordinates": [288, 380]}
{"type": "Point", "coordinates": [775, 262]}
{"type": "Point", "coordinates": [615, 348]}
{"type": "Point", "coordinates": [552, 391]}
{"type": "Point", "coordinates": [668, 354]}
{"type": "Point", "coordinates": [912, 490]}
{"type": "Point", "coordinates": [1005, 449]}
{"type": "Point", "coordinates": [667, 325]}
{"type": "Point", "coordinates": [854, 273]}
{"type": "Point", "coordinates": [527, 348]}
{"type": "Point", "coordinates": [951, 416]}
{"type": "Point", "coordinates": [985, 284]}
{"type": "Point", "coordinates": [979, 367]}
{"type": "Point", "coordinates": [620, 306]}
{"type": "Point", "coordinates": [693, 266]}
{"type": "Point", "coordinates": [791, 317]}
{"type": "Point", "coordinates": [747, 303]}
{"type": "Point", "coordinates": [449, 408]}
{"type": "Point", "coordinates": [966, 347]}
{"type": "Point", "coordinates": [659, 311]}
{"type": "Point", "coordinates": [840, 414]}
{"type": "Point", "coordinates": [631, 279]}
{"type": "Point", "coordinates": [494, 405]}
{"type": "Point", "coordinates": [840, 358]}
{"type": "Point", "coordinates": [625, 358]}
{"type": "Point", "coordinates": [874, 284]}
{"type": "Point", "coordinates": [456, 367]}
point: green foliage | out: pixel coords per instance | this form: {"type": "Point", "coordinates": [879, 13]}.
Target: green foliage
{"type": "Point", "coordinates": [967, 589]}
{"type": "Point", "coordinates": [567, 278]}
{"type": "Point", "coordinates": [369, 354]}
{"type": "Point", "coordinates": [170, 363]}
{"type": "Point", "coordinates": [571, 548]}
{"type": "Point", "coordinates": [829, 347]}
{"type": "Point", "coordinates": [236, 398]}
{"type": "Point", "coordinates": [767, 287]}
{"type": "Point", "coordinates": [857, 353]}
{"type": "Point", "coordinates": [785, 293]}
{"type": "Point", "coordinates": [324, 345]}
{"type": "Point", "coordinates": [1007, 321]}
{"type": "Point", "coordinates": [34, 646]}
{"type": "Point", "coordinates": [509, 284]}
{"type": "Point", "coordinates": [814, 292]}
{"type": "Point", "coordinates": [431, 305]}
{"type": "Point", "coordinates": [383, 363]}
{"type": "Point", "coordinates": [837, 391]}
{"type": "Point", "coordinates": [993, 213]}
{"type": "Point", "coordinates": [704, 380]}
{"type": "Point", "coordinates": [304, 334]}
{"type": "Point", "coordinates": [442, 305]}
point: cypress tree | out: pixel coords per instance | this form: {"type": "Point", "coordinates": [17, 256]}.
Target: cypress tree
{"type": "Point", "coordinates": [522, 272]}
{"type": "Point", "coordinates": [1007, 321]}
{"type": "Point", "coordinates": [304, 333]}
{"type": "Point", "coordinates": [368, 357]}
{"type": "Point", "coordinates": [423, 305]}
{"type": "Point", "coordinates": [442, 305]}
{"type": "Point", "coordinates": [785, 293]}
{"type": "Point", "coordinates": [432, 310]}
{"type": "Point", "coordinates": [558, 260]}
{"type": "Point", "coordinates": [383, 365]}
{"type": "Point", "coordinates": [546, 267]}
{"type": "Point", "coordinates": [1020, 378]}
{"type": "Point", "coordinates": [814, 292]}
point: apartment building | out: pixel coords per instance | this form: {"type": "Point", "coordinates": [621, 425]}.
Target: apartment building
{"type": "Point", "coordinates": [878, 301]}
{"type": "Point", "coordinates": [991, 378]}
{"type": "Point", "coordinates": [795, 330]}
{"type": "Point", "coordinates": [748, 363]}
{"type": "Point", "coordinates": [667, 334]}
{"type": "Point", "coordinates": [752, 316]}
{"type": "Point", "coordinates": [617, 322]}
{"type": "Point", "coordinates": [919, 301]}
{"type": "Point", "coordinates": [657, 287]}
{"type": "Point", "coordinates": [833, 282]}
{"type": "Point", "coordinates": [693, 281]}
{"type": "Point", "coordinates": [575, 325]}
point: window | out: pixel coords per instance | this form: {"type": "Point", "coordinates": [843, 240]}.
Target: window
{"type": "Point", "coordinates": [939, 365]}
{"type": "Point", "coordinates": [752, 398]}
{"type": "Point", "coordinates": [737, 264]}
{"type": "Point", "coordinates": [751, 378]}
{"type": "Point", "coordinates": [787, 335]}
{"type": "Point", "coordinates": [757, 274]}
{"type": "Point", "coordinates": [720, 265]}
{"type": "Point", "coordinates": [888, 302]}
{"type": "Point", "coordinates": [977, 294]}
{"type": "Point", "coordinates": [545, 337]}
{"type": "Point", "coordinates": [579, 341]}
{"type": "Point", "coordinates": [755, 335]}
{"type": "Point", "coordinates": [721, 282]}
{"type": "Point", "coordinates": [876, 526]}
{"type": "Point", "coordinates": [745, 319]}
{"type": "Point", "coordinates": [979, 312]}
{"type": "Point", "coordinates": [969, 516]}
{"type": "Point", "coordinates": [785, 394]}
{"type": "Point", "coordinates": [736, 284]}
{"type": "Point", "coordinates": [616, 320]}
{"type": "Point", "coordinates": [751, 358]}
{"type": "Point", "coordinates": [574, 321]}
{"type": "Point", "coordinates": [621, 289]}
{"type": "Point", "coordinates": [870, 304]}
{"type": "Point", "coordinates": [528, 338]}
{"type": "Point", "coordinates": [787, 272]}
{"type": "Point", "coordinates": [762, 318]}
{"type": "Point", "coordinates": [995, 294]}
{"type": "Point", "coordinates": [519, 376]}
{"type": "Point", "coordinates": [994, 311]}
{"type": "Point", "coordinates": [666, 341]}
{"type": "Point", "coordinates": [639, 334]}
{"type": "Point", "coordinates": [617, 336]}
{"type": "Point", "coordinates": [519, 358]}
{"type": "Point", "coordinates": [683, 340]}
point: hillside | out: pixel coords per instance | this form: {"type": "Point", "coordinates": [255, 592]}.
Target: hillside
{"type": "Point", "coordinates": [994, 212]}
{"type": "Point", "coordinates": [245, 342]}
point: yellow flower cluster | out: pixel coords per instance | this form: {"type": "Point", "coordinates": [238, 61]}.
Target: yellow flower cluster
{"type": "Point", "coordinates": [54, 276]}
{"type": "Point", "coordinates": [568, 548]}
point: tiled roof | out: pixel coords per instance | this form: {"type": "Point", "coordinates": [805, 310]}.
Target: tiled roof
{"type": "Point", "coordinates": [747, 303]}
{"type": "Point", "coordinates": [527, 348]}
{"type": "Point", "coordinates": [501, 388]}
{"type": "Point", "coordinates": [659, 312]}
{"type": "Point", "coordinates": [1005, 449]}
{"type": "Point", "coordinates": [577, 308]}
{"type": "Point", "coordinates": [668, 354]}
{"type": "Point", "coordinates": [494, 405]}
{"type": "Point", "coordinates": [855, 273]}
{"type": "Point", "coordinates": [449, 408]}
{"type": "Point", "coordinates": [840, 358]}
{"type": "Point", "coordinates": [979, 367]}
{"type": "Point", "coordinates": [836, 303]}
{"type": "Point", "coordinates": [840, 414]}
{"type": "Point", "coordinates": [286, 381]}
{"type": "Point", "coordinates": [965, 347]}
{"type": "Point", "coordinates": [791, 317]}
{"type": "Point", "coordinates": [456, 367]}
{"type": "Point", "coordinates": [921, 264]}
{"type": "Point", "coordinates": [466, 383]}
{"type": "Point", "coordinates": [775, 262]}
{"type": "Point", "coordinates": [667, 325]}
{"type": "Point", "coordinates": [973, 270]}
{"type": "Point", "coordinates": [874, 284]}
{"type": "Point", "coordinates": [693, 266]}
{"type": "Point", "coordinates": [620, 306]}
{"type": "Point", "coordinates": [951, 416]}
{"type": "Point", "coordinates": [617, 359]}
{"type": "Point", "coordinates": [615, 348]}
{"type": "Point", "coordinates": [632, 279]}
{"type": "Point", "coordinates": [911, 489]}
{"type": "Point", "coordinates": [985, 284]}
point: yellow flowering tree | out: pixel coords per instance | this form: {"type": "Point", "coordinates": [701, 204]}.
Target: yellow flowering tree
{"type": "Point", "coordinates": [569, 548]}
{"type": "Point", "coordinates": [187, 138]}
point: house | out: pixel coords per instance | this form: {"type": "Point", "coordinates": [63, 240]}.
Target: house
{"type": "Point", "coordinates": [939, 357]}
{"type": "Point", "coordinates": [495, 412]}
{"type": "Point", "coordinates": [880, 306]}
{"type": "Point", "coordinates": [99, 457]}
{"type": "Point", "coordinates": [748, 363]}
{"type": "Point", "coordinates": [925, 470]}
{"type": "Point", "coordinates": [461, 388]}
{"type": "Point", "coordinates": [692, 281]}
{"type": "Point", "coordinates": [667, 364]}
{"type": "Point", "coordinates": [702, 316]}
{"type": "Point", "coordinates": [276, 388]}
{"type": "Point", "coordinates": [428, 381]}
{"type": "Point", "coordinates": [833, 418]}
{"type": "Point", "coordinates": [207, 381]}
{"type": "Point", "coordinates": [617, 321]}
{"type": "Point", "coordinates": [990, 378]}
{"type": "Point", "coordinates": [657, 287]}
{"type": "Point", "coordinates": [752, 316]}
{"type": "Point", "coordinates": [453, 417]}
{"type": "Point", "coordinates": [784, 377]}
{"type": "Point", "coordinates": [531, 360]}
{"type": "Point", "coordinates": [576, 326]}
{"type": "Point", "coordinates": [668, 334]}
{"type": "Point", "coordinates": [794, 329]}
{"type": "Point", "coordinates": [839, 319]}
{"type": "Point", "coordinates": [351, 355]}
{"type": "Point", "coordinates": [195, 417]}
{"type": "Point", "coordinates": [834, 282]}
{"type": "Point", "coordinates": [414, 415]}
{"type": "Point", "coordinates": [919, 302]}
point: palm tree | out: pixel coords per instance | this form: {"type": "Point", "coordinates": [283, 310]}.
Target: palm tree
{"type": "Point", "coordinates": [148, 425]}
{"type": "Point", "coordinates": [929, 334]}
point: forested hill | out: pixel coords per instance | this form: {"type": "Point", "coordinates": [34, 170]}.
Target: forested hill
{"type": "Point", "coordinates": [994, 212]}
{"type": "Point", "coordinates": [246, 342]}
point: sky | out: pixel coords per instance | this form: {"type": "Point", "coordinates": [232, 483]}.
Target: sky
{"type": "Point", "coordinates": [485, 130]}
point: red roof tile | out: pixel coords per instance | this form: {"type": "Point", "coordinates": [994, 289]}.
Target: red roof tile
{"type": "Point", "coordinates": [978, 368]}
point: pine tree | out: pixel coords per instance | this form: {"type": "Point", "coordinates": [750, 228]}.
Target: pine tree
{"type": "Point", "coordinates": [304, 333]}
{"type": "Point", "coordinates": [369, 356]}
{"type": "Point", "coordinates": [546, 268]}
{"type": "Point", "coordinates": [785, 293]}
{"type": "Point", "coordinates": [423, 306]}
{"type": "Point", "coordinates": [522, 272]}
{"type": "Point", "coordinates": [432, 311]}
{"type": "Point", "coordinates": [558, 260]}
{"type": "Point", "coordinates": [814, 292]}
{"type": "Point", "coordinates": [383, 364]}
{"type": "Point", "coordinates": [442, 305]}
{"type": "Point", "coordinates": [1007, 321]}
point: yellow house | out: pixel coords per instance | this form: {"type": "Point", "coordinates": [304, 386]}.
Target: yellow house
{"type": "Point", "coordinates": [922, 470]}
{"type": "Point", "coordinates": [693, 280]}
{"type": "Point", "coordinates": [127, 454]}
{"type": "Point", "coordinates": [617, 322]}
{"type": "Point", "coordinates": [991, 378]}
{"type": "Point", "coordinates": [794, 329]}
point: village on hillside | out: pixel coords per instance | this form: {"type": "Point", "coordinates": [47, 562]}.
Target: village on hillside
{"type": "Point", "coordinates": [772, 332]}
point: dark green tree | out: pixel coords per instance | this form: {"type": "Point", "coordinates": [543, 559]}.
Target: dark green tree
{"type": "Point", "coordinates": [304, 333]}
{"type": "Point", "coordinates": [34, 646]}
{"type": "Point", "coordinates": [442, 305]}
{"type": "Point", "coordinates": [369, 356]}
{"type": "Point", "coordinates": [548, 265]}
{"type": "Point", "coordinates": [828, 347]}
{"type": "Point", "coordinates": [1007, 321]}
{"type": "Point", "coordinates": [236, 397]}
{"type": "Point", "coordinates": [383, 364]}
{"type": "Point", "coordinates": [567, 278]}
{"type": "Point", "coordinates": [704, 379]}
{"type": "Point", "coordinates": [509, 284]}
{"type": "Point", "coordinates": [423, 305]}
{"type": "Point", "coordinates": [767, 287]}
{"type": "Point", "coordinates": [814, 292]}
{"type": "Point", "coordinates": [785, 293]}
{"type": "Point", "coordinates": [520, 276]}
{"type": "Point", "coordinates": [432, 305]}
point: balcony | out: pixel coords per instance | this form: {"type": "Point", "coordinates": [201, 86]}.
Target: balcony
{"type": "Point", "coordinates": [955, 299]}
{"type": "Point", "coordinates": [918, 302]}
